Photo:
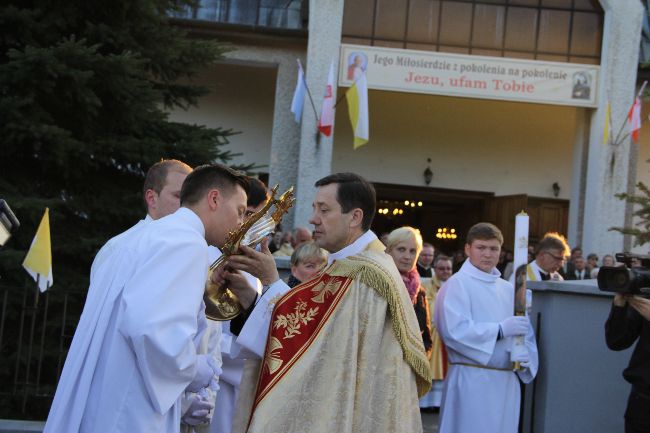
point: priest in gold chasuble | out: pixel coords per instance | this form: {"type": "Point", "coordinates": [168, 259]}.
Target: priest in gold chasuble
{"type": "Point", "coordinates": [339, 353]}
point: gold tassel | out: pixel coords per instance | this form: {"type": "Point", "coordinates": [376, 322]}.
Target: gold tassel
{"type": "Point", "coordinates": [373, 274]}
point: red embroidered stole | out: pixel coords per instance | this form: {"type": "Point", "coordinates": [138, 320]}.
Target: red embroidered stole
{"type": "Point", "coordinates": [297, 319]}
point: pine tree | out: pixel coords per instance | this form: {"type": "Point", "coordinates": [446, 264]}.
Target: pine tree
{"type": "Point", "coordinates": [85, 90]}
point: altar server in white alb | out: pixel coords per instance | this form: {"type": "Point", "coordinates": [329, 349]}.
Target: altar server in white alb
{"type": "Point", "coordinates": [233, 366]}
{"type": "Point", "coordinates": [474, 314]}
{"type": "Point", "coordinates": [134, 355]}
{"type": "Point", "coordinates": [161, 194]}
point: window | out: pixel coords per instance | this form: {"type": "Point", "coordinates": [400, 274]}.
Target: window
{"type": "Point", "coordinates": [284, 14]}
{"type": "Point", "coordinates": [558, 30]}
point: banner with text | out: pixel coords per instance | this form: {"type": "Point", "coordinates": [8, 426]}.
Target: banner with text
{"type": "Point", "coordinates": [470, 76]}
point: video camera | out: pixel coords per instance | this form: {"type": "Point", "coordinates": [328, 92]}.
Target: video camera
{"type": "Point", "coordinates": [631, 279]}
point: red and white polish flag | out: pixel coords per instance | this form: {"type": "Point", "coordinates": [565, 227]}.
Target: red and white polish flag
{"type": "Point", "coordinates": [634, 119]}
{"type": "Point", "coordinates": [327, 112]}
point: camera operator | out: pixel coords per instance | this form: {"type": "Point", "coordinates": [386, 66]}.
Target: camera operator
{"type": "Point", "coordinates": [623, 327]}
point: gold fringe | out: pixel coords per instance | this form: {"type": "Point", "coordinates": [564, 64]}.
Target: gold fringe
{"type": "Point", "coordinates": [374, 274]}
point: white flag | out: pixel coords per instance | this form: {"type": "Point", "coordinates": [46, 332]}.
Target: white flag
{"type": "Point", "coordinates": [298, 95]}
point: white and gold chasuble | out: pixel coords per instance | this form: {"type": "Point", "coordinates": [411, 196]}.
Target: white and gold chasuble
{"type": "Point", "coordinates": [344, 354]}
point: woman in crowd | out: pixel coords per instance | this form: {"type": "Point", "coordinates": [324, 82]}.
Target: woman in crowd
{"type": "Point", "coordinates": [404, 245]}
{"type": "Point", "coordinates": [307, 260]}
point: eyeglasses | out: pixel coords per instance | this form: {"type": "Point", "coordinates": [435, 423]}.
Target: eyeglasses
{"type": "Point", "coordinates": [558, 258]}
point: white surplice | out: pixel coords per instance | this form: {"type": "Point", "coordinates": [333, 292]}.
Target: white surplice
{"type": "Point", "coordinates": [133, 353]}
{"type": "Point", "coordinates": [113, 244]}
{"type": "Point", "coordinates": [468, 310]}
{"type": "Point", "coordinates": [207, 341]}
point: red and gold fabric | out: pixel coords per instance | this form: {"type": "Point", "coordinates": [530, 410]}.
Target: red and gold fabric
{"type": "Point", "coordinates": [297, 320]}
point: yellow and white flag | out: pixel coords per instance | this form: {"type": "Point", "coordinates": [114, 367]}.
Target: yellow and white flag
{"type": "Point", "coordinates": [38, 262]}
{"type": "Point", "coordinates": [607, 129]}
{"type": "Point", "coordinates": [357, 96]}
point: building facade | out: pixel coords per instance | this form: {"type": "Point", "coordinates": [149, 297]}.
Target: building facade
{"type": "Point", "coordinates": [489, 156]}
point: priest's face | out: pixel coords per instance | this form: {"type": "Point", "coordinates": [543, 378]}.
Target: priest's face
{"type": "Point", "coordinates": [550, 260]}
{"type": "Point", "coordinates": [404, 254]}
{"type": "Point", "coordinates": [228, 214]}
{"type": "Point", "coordinates": [169, 199]}
{"type": "Point", "coordinates": [484, 254]}
{"type": "Point", "coordinates": [332, 227]}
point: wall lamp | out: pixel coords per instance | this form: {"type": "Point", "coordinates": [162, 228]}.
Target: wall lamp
{"type": "Point", "coordinates": [428, 174]}
{"type": "Point", "coordinates": [556, 189]}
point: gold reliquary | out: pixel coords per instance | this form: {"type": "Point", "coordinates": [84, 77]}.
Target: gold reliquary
{"type": "Point", "coordinates": [220, 302]}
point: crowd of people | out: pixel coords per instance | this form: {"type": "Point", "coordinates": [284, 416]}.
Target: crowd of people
{"type": "Point", "coordinates": [575, 266]}
{"type": "Point", "coordinates": [361, 335]}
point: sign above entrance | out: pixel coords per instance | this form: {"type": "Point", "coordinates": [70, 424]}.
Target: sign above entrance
{"type": "Point", "coordinates": [470, 76]}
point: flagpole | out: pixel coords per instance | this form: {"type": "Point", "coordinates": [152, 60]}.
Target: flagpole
{"type": "Point", "coordinates": [31, 343]}
{"type": "Point", "coordinates": [40, 356]}
{"type": "Point", "coordinates": [20, 338]}
{"type": "Point", "coordinates": [346, 92]}
{"type": "Point", "coordinates": [616, 140]}
{"type": "Point", "coordinates": [645, 83]}
{"type": "Point", "coordinates": [343, 96]}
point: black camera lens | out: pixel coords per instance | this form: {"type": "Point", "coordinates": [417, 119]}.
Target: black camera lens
{"type": "Point", "coordinates": [620, 279]}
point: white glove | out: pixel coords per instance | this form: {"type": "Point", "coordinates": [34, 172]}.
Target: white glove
{"type": "Point", "coordinates": [523, 358]}
{"type": "Point", "coordinates": [205, 371]}
{"type": "Point", "coordinates": [199, 410]}
{"type": "Point", "coordinates": [513, 326]}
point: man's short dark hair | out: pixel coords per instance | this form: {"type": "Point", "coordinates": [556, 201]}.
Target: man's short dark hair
{"type": "Point", "coordinates": [156, 177]}
{"type": "Point", "coordinates": [353, 192]}
{"type": "Point", "coordinates": [485, 232]}
{"type": "Point", "coordinates": [210, 176]}
{"type": "Point", "coordinates": [257, 192]}
{"type": "Point", "coordinates": [428, 245]}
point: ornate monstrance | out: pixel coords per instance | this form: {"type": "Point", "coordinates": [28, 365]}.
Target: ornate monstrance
{"type": "Point", "coordinates": [220, 302]}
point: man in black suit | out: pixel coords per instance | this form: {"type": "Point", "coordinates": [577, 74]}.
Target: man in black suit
{"type": "Point", "coordinates": [580, 271]}
{"type": "Point", "coordinates": [425, 260]}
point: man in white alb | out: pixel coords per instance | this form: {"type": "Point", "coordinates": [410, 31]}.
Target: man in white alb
{"type": "Point", "coordinates": [474, 314]}
{"type": "Point", "coordinates": [134, 355]}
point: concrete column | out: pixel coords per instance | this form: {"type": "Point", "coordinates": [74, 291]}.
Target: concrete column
{"type": "Point", "coordinates": [325, 23]}
{"type": "Point", "coordinates": [285, 139]}
{"type": "Point", "coordinates": [579, 176]}
{"type": "Point", "coordinates": [609, 167]}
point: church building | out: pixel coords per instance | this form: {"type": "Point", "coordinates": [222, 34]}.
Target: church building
{"type": "Point", "coordinates": [477, 109]}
